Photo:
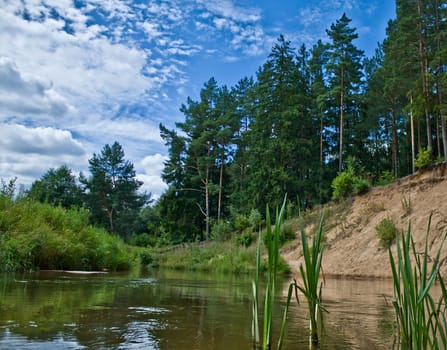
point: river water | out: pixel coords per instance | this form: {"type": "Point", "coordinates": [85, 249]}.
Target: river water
{"type": "Point", "coordinates": [177, 310]}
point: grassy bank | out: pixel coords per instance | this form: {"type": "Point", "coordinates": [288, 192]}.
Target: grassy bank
{"type": "Point", "coordinates": [219, 257]}
{"type": "Point", "coordinates": [36, 236]}
{"type": "Point", "coordinates": [39, 236]}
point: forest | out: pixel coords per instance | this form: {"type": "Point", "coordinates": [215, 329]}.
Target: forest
{"type": "Point", "coordinates": [314, 123]}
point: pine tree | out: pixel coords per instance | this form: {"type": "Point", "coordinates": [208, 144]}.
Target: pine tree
{"type": "Point", "coordinates": [111, 191]}
{"type": "Point", "coordinates": [345, 73]}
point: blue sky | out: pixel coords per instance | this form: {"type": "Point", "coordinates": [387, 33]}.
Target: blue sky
{"type": "Point", "coordinates": [76, 75]}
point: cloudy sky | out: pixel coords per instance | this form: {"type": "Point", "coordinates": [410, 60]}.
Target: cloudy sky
{"type": "Point", "coordinates": [78, 74]}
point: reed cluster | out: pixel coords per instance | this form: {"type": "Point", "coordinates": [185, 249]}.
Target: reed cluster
{"type": "Point", "coordinates": [312, 285]}
{"type": "Point", "coordinates": [272, 246]}
{"type": "Point", "coordinates": [421, 320]}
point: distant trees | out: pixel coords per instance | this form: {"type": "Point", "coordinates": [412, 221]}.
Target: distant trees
{"type": "Point", "coordinates": [111, 192]}
{"type": "Point", "coordinates": [57, 187]}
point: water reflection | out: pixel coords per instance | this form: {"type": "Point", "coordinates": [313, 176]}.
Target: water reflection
{"type": "Point", "coordinates": [176, 310]}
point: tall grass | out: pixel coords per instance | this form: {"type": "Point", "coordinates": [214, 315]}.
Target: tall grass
{"type": "Point", "coordinates": [35, 235]}
{"type": "Point", "coordinates": [272, 246]}
{"type": "Point", "coordinates": [421, 321]}
{"type": "Point", "coordinates": [311, 284]}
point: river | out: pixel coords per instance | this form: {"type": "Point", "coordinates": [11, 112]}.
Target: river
{"type": "Point", "coordinates": [177, 310]}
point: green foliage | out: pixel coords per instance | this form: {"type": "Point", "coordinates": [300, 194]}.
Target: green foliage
{"type": "Point", "coordinates": [244, 239]}
{"type": "Point", "coordinates": [8, 189]}
{"type": "Point", "coordinates": [361, 185]}
{"type": "Point", "coordinates": [343, 185]}
{"type": "Point", "coordinates": [421, 320]}
{"type": "Point", "coordinates": [272, 246]}
{"type": "Point", "coordinates": [57, 187]}
{"type": "Point", "coordinates": [386, 232]}
{"type": "Point", "coordinates": [311, 285]}
{"type": "Point", "coordinates": [39, 236]}
{"type": "Point", "coordinates": [142, 240]}
{"type": "Point", "coordinates": [111, 192]}
{"type": "Point", "coordinates": [407, 206]}
{"type": "Point", "coordinates": [219, 257]}
{"type": "Point", "coordinates": [347, 184]}
{"type": "Point", "coordinates": [149, 258]}
{"type": "Point", "coordinates": [241, 222]}
{"type": "Point", "coordinates": [221, 231]}
{"type": "Point", "coordinates": [386, 178]}
{"type": "Point", "coordinates": [287, 233]}
{"type": "Point", "coordinates": [423, 159]}
{"type": "Point", "coordinates": [255, 219]}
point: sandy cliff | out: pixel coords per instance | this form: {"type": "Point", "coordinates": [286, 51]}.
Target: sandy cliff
{"type": "Point", "coordinates": [353, 248]}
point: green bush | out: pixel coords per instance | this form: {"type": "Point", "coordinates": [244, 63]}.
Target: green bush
{"type": "Point", "coordinates": [241, 222]}
{"type": "Point", "coordinates": [386, 178]}
{"type": "Point", "coordinates": [386, 231]}
{"type": "Point", "coordinates": [287, 233]}
{"type": "Point", "coordinates": [361, 185]}
{"type": "Point", "coordinates": [244, 239]}
{"type": "Point", "coordinates": [221, 231]}
{"type": "Point", "coordinates": [343, 184]}
{"type": "Point", "coordinates": [255, 218]}
{"type": "Point", "coordinates": [423, 159]}
{"type": "Point", "coordinates": [346, 184]}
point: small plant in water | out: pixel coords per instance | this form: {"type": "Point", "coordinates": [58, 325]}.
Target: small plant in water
{"type": "Point", "coordinates": [311, 285]}
{"type": "Point", "coordinates": [272, 245]}
{"type": "Point", "coordinates": [421, 321]}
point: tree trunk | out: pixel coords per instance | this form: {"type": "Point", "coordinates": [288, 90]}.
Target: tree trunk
{"type": "Point", "coordinates": [340, 151]}
{"type": "Point", "coordinates": [110, 216]}
{"type": "Point", "coordinates": [321, 138]}
{"type": "Point", "coordinates": [444, 134]}
{"type": "Point", "coordinates": [424, 75]}
{"type": "Point", "coordinates": [207, 197]}
{"type": "Point", "coordinates": [394, 149]}
{"type": "Point", "coordinates": [412, 136]}
{"type": "Point", "coordinates": [219, 204]}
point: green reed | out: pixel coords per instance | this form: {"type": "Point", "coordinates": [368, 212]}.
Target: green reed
{"type": "Point", "coordinates": [272, 246]}
{"type": "Point", "coordinates": [421, 321]}
{"type": "Point", "coordinates": [311, 284]}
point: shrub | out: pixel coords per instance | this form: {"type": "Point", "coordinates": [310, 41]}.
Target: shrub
{"type": "Point", "coordinates": [287, 233]}
{"type": "Point", "coordinates": [143, 240]}
{"type": "Point", "coordinates": [149, 258]}
{"type": "Point", "coordinates": [347, 183]}
{"type": "Point", "coordinates": [255, 218]}
{"type": "Point", "coordinates": [221, 231]}
{"type": "Point", "coordinates": [386, 231]}
{"type": "Point", "coordinates": [423, 159]}
{"type": "Point", "coordinates": [361, 185]}
{"type": "Point", "coordinates": [244, 239]}
{"type": "Point", "coordinates": [343, 184]}
{"type": "Point", "coordinates": [386, 178]}
{"type": "Point", "coordinates": [241, 222]}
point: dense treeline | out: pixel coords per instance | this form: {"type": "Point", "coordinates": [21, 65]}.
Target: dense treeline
{"type": "Point", "coordinates": [308, 116]}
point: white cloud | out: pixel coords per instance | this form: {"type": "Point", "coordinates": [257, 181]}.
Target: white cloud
{"type": "Point", "coordinates": [29, 152]}
{"type": "Point", "coordinates": [20, 96]}
{"type": "Point", "coordinates": [226, 8]}
{"type": "Point", "coordinates": [153, 167]}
